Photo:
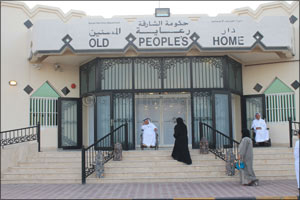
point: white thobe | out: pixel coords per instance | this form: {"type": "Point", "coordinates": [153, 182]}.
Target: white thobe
{"type": "Point", "coordinates": [149, 137]}
{"type": "Point", "coordinates": [262, 134]}
{"type": "Point", "coordinates": [296, 155]}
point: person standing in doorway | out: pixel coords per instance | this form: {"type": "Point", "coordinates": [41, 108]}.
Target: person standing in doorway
{"type": "Point", "coordinates": [297, 160]}
{"type": "Point", "coordinates": [181, 150]}
{"type": "Point", "coordinates": [247, 175]}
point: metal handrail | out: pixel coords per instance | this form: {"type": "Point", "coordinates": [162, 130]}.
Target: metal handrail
{"type": "Point", "coordinates": [21, 135]}
{"type": "Point", "coordinates": [293, 131]}
{"type": "Point", "coordinates": [218, 143]}
{"type": "Point", "coordinates": [106, 146]}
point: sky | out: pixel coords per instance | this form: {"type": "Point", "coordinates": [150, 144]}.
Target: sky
{"type": "Point", "coordinates": [108, 9]}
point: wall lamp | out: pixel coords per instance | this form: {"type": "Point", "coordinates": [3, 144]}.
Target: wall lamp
{"type": "Point", "coordinates": [12, 83]}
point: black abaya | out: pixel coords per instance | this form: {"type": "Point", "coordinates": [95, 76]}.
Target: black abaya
{"type": "Point", "coordinates": [181, 149]}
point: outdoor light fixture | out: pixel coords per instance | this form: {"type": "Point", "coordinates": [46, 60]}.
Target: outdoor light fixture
{"type": "Point", "coordinates": [162, 12]}
{"type": "Point", "coordinates": [12, 83]}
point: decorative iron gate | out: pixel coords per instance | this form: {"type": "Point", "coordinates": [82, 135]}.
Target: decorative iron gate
{"type": "Point", "coordinates": [202, 77]}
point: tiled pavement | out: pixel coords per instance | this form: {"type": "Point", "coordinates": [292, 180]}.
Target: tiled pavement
{"type": "Point", "coordinates": [148, 190]}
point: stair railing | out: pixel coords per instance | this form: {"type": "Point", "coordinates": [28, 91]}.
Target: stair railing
{"type": "Point", "coordinates": [21, 135]}
{"type": "Point", "coordinates": [218, 143]}
{"type": "Point", "coordinates": [104, 145]}
{"type": "Point", "coordinates": [294, 128]}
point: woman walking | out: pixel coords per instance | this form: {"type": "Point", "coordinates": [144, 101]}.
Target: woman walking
{"type": "Point", "coordinates": [247, 175]}
{"type": "Point", "coordinates": [181, 149]}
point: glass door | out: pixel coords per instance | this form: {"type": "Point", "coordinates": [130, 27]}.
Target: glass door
{"type": "Point", "coordinates": [174, 106]}
{"type": "Point", "coordinates": [252, 104]}
{"type": "Point", "coordinates": [147, 106]}
{"type": "Point", "coordinates": [69, 123]}
{"type": "Point", "coordinates": [163, 109]}
{"type": "Point", "coordinates": [104, 114]}
{"type": "Point", "coordinates": [222, 115]}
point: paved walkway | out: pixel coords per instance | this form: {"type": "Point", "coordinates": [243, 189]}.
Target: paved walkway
{"type": "Point", "coordinates": [148, 190]}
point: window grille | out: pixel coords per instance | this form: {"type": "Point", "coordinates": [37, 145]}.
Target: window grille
{"type": "Point", "coordinates": [43, 110]}
{"type": "Point", "coordinates": [280, 107]}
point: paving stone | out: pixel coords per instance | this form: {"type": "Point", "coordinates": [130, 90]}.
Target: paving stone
{"type": "Point", "coordinates": [267, 188]}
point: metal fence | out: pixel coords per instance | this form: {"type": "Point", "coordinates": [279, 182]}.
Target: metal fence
{"type": "Point", "coordinates": [21, 135]}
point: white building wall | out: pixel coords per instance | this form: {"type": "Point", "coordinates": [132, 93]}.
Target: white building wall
{"type": "Point", "coordinates": [15, 66]}
{"type": "Point", "coordinates": [287, 70]}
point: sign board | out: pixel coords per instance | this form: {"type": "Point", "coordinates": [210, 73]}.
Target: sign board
{"type": "Point", "coordinates": [150, 34]}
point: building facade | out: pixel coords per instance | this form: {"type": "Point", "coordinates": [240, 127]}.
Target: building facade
{"type": "Point", "coordinates": [82, 76]}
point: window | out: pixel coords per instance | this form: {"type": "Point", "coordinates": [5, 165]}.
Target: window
{"type": "Point", "coordinates": [280, 102]}
{"type": "Point", "coordinates": [43, 106]}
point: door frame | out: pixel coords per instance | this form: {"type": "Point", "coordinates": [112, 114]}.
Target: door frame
{"type": "Point", "coordinates": [161, 114]}
{"type": "Point", "coordinates": [79, 122]}
{"type": "Point", "coordinates": [244, 109]}
{"type": "Point", "coordinates": [214, 92]}
{"type": "Point", "coordinates": [110, 94]}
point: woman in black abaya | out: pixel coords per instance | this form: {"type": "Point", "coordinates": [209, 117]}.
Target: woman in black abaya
{"type": "Point", "coordinates": [181, 149]}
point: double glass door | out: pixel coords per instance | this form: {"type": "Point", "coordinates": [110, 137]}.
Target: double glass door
{"type": "Point", "coordinates": [162, 109]}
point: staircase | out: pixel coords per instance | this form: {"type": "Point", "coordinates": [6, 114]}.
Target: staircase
{"type": "Point", "coordinates": [47, 167]}
{"type": "Point", "coordinates": [159, 166]}
{"type": "Point", "coordinates": [148, 166]}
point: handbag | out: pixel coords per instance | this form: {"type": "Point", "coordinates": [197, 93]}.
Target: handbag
{"type": "Point", "coordinates": [239, 165]}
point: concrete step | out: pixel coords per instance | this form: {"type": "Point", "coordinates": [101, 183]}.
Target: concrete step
{"type": "Point", "coordinates": [93, 179]}
{"type": "Point", "coordinates": [38, 169]}
{"type": "Point", "coordinates": [158, 174]}
{"type": "Point", "coordinates": [42, 181]}
{"type": "Point", "coordinates": [191, 173]}
{"type": "Point", "coordinates": [165, 163]}
{"type": "Point", "coordinates": [60, 153]}
{"type": "Point", "coordinates": [271, 172]}
{"type": "Point", "coordinates": [24, 176]}
{"type": "Point", "coordinates": [287, 166]}
{"type": "Point", "coordinates": [274, 156]}
{"type": "Point", "coordinates": [186, 168]}
{"type": "Point", "coordinates": [55, 159]}
{"type": "Point", "coordinates": [164, 158]}
{"type": "Point", "coordinates": [272, 161]}
{"type": "Point", "coordinates": [49, 164]}
{"type": "Point", "coordinates": [164, 179]}
{"type": "Point", "coordinates": [258, 150]}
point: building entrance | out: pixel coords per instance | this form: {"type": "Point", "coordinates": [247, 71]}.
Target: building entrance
{"type": "Point", "coordinates": [163, 109]}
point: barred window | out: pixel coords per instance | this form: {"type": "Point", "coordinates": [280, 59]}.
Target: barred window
{"type": "Point", "coordinates": [280, 107]}
{"type": "Point", "coordinates": [280, 102]}
{"type": "Point", "coordinates": [43, 106]}
{"type": "Point", "coordinates": [43, 110]}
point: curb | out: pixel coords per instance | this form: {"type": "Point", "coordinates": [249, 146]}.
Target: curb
{"type": "Point", "coordinates": [244, 198]}
{"type": "Point", "coordinates": [235, 198]}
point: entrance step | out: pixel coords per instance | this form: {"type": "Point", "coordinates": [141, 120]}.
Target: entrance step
{"type": "Point", "coordinates": [148, 166]}
{"type": "Point", "coordinates": [159, 166]}
{"type": "Point", "coordinates": [46, 167]}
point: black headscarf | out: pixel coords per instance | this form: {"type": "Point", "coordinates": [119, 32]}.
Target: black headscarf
{"type": "Point", "coordinates": [179, 120]}
{"type": "Point", "coordinates": [245, 133]}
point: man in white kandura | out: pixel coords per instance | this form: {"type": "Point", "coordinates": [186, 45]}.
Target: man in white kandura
{"type": "Point", "coordinates": [260, 129]}
{"type": "Point", "coordinates": [296, 155]}
{"type": "Point", "coordinates": [149, 133]}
